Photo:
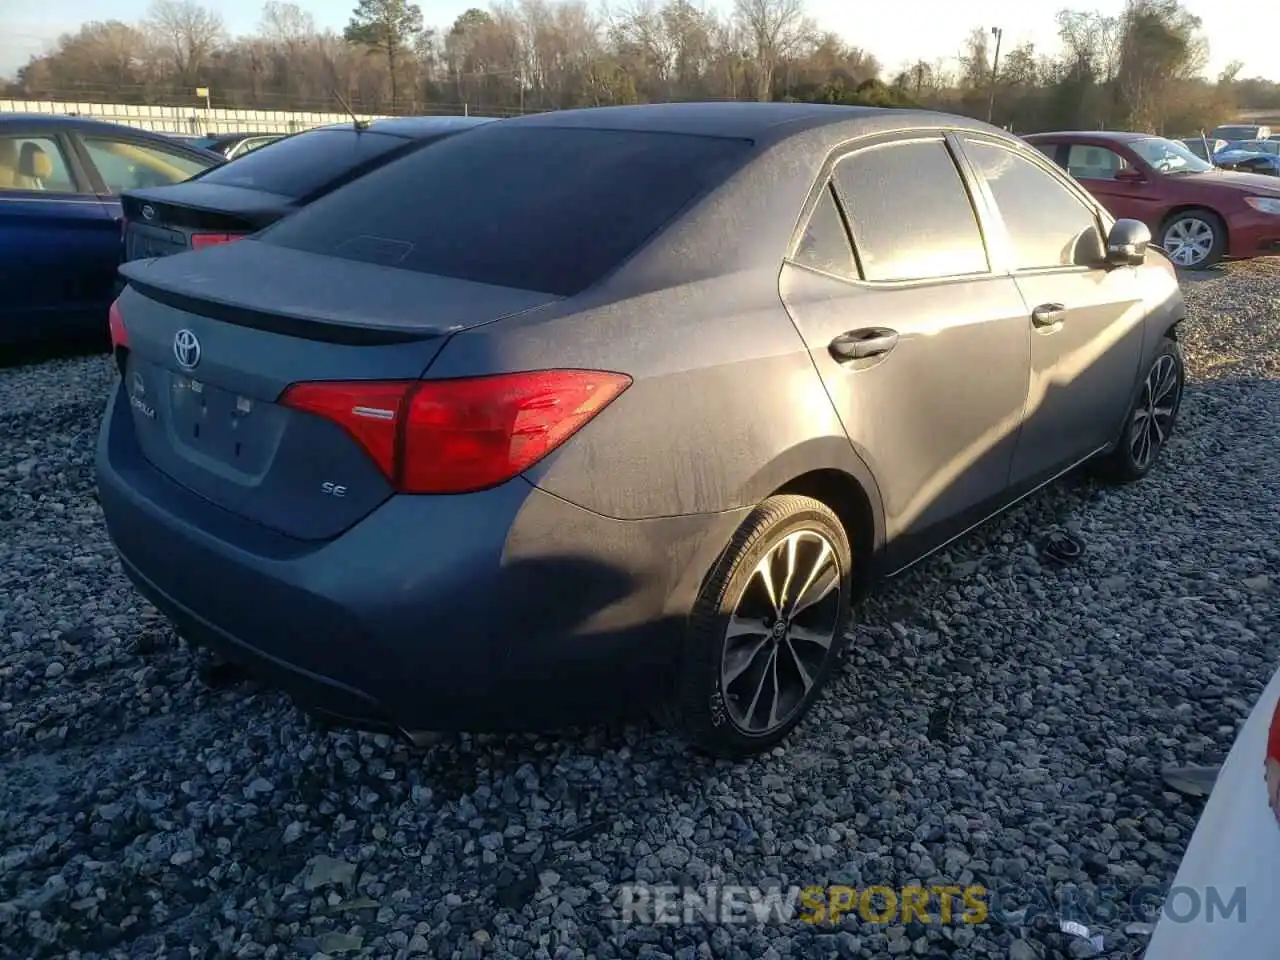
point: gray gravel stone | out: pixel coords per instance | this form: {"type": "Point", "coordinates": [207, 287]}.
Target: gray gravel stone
{"type": "Point", "coordinates": [997, 722]}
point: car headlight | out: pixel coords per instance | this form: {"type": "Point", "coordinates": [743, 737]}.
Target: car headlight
{"type": "Point", "coordinates": [1264, 204]}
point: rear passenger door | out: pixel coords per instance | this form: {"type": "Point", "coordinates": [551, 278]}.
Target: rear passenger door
{"type": "Point", "coordinates": [1086, 318]}
{"type": "Point", "coordinates": [922, 346]}
{"type": "Point", "coordinates": [50, 218]}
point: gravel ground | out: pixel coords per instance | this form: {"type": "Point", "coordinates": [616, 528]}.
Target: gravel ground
{"type": "Point", "coordinates": [1002, 723]}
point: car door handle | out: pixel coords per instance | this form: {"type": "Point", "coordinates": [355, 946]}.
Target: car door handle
{"type": "Point", "coordinates": [1048, 314]}
{"type": "Point", "coordinates": [861, 344]}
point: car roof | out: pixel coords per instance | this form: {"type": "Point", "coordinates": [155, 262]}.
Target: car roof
{"type": "Point", "coordinates": [47, 121]}
{"type": "Point", "coordinates": [761, 122]}
{"type": "Point", "coordinates": [1115, 136]}
{"type": "Point", "coordinates": [411, 127]}
{"type": "Point", "coordinates": [38, 120]}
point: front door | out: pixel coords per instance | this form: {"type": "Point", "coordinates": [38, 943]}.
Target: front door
{"type": "Point", "coordinates": [1108, 173]}
{"type": "Point", "coordinates": [1085, 318]}
{"type": "Point", "coordinates": [922, 348]}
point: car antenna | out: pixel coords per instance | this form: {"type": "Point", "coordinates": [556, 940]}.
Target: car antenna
{"type": "Point", "coordinates": [360, 125]}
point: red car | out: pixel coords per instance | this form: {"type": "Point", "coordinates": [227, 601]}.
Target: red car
{"type": "Point", "coordinates": [1197, 213]}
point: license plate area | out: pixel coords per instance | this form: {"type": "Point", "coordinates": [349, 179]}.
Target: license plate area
{"type": "Point", "coordinates": [218, 425]}
{"type": "Point", "coordinates": [142, 242]}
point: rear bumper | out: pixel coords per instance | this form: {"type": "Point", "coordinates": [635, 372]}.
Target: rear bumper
{"type": "Point", "coordinates": [506, 609]}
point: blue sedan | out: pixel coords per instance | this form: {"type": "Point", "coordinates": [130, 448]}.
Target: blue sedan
{"type": "Point", "coordinates": [60, 221]}
{"type": "Point", "coordinates": [1250, 156]}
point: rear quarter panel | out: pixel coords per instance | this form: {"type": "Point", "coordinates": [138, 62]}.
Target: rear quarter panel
{"type": "Point", "coordinates": [725, 406]}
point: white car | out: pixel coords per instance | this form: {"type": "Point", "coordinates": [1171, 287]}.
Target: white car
{"type": "Point", "coordinates": [1223, 903]}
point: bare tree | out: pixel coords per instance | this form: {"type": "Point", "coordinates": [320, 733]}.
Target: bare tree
{"type": "Point", "coordinates": [186, 34]}
{"type": "Point", "coordinates": [778, 29]}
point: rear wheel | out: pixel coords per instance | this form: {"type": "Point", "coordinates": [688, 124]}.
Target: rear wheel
{"type": "Point", "coordinates": [767, 629]}
{"type": "Point", "coordinates": [1194, 239]}
{"type": "Point", "coordinates": [1151, 420]}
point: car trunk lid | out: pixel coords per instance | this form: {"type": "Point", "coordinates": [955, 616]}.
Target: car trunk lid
{"type": "Point", "coordinates": [214, 341]}
{"type": "Point", "coordinates": [168, 220]}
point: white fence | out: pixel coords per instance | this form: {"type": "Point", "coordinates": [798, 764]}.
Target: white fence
{"type": "Point", "coordinates": [193, 120]}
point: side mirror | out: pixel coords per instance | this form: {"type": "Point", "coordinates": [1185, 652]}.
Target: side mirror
{"type": "Point", "coordinates": [1130, 175]}
{"type": "Point", "coordinates": [1127, 243]}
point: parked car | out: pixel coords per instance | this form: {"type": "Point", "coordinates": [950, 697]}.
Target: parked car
{"type": "Point", "coordinates": [60, 183]}
{"type": "Point", "coordinates": [232, 145]}
{"type": "Point", "coordinates": [1242, 131]}
{"type": "Point", "coordinates": [1250, 156]}
{"type": "Point", "coordinates": [271, 182]}
{"type": "Point", "coordinates": [1197, 213]}
{"type": "Point", "coordinates": [567, 415]}
{"type": "Point", "coordinates": [1230, 862]}
{"type": "Point", "coordinates": [1197, 146]}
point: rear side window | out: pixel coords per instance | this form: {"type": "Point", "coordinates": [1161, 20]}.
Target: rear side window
{"type": "Point", "coordinates": [536, 208]}
{"type": "Point", "coordinates": [910, 213]}
{"type": "Point", "coordinates": [296, 166]}
{"type": "Point", "coordinates": [824, 245]}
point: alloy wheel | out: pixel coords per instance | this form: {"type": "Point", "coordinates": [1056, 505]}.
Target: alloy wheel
{"type": "Point", "coordinates": [1189, 241]}
{"type": "Point", "coordinates": [1153, 416]}
{"type": "Point", "coordinates": [781, 632]}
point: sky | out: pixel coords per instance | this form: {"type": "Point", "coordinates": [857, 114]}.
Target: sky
{"type": "Point", "coordinates": [936, 29]}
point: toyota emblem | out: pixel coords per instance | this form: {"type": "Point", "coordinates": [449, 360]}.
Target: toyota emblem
{"type": "Point", "coordinates": [186, 349]}
{"type": "Point", "coordinates": [148, 212]}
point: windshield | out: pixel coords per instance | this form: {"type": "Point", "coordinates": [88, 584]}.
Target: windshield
{"type": "Point", "coordinates": [1166, 156]}
{"type": "Point", "coordinates": [299, 165]}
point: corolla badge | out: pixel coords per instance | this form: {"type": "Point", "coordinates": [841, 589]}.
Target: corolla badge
{"type": "Point", "coordinates": [186, 349]}
{"type": "Point", "coordinates": [148, 212]}
{"type": "Point", "coordinates": [137, 398]}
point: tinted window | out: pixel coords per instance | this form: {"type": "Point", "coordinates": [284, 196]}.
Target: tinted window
{"type": "Point", "coordinates": [1086, 162]}
{"type": "Point", "coordinates": [128, 165]}
{"type": "Point", "coordinates": [34, 163]}
{"type": "Point", "coordinates": [910, 213]}
{"type": "Point", "coordinates": [824, 245]}
{"type": "Point", "coordinates": [296, 166]}
{"type": "Point", "coordinates": [1047, 225]}
{"type": "Point", "coordinates": [538, 208]}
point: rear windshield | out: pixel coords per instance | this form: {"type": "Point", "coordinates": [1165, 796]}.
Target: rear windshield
{"type": "Point", "coordinates": [551, 209]}
{"type": "Point", "coordinates": [303, 163]}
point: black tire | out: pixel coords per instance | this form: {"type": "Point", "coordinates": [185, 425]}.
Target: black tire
{"type": "Point", "coordinates": [707, 712]}
{"type": "Point", "coordinates": [1188, 223]}
{"type": "Point", "coordinates": [1128, 461]}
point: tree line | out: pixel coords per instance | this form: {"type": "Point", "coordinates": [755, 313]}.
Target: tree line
{"type": "Point", "coordinates": [1140, 70]}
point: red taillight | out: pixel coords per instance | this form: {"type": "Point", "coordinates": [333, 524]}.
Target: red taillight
{"type": "Point", "coordinates": [455, 436]}
{"type": "Point", "coordinates": [115, 322]}
{"type": "Point", "coordinates": [201, 240]}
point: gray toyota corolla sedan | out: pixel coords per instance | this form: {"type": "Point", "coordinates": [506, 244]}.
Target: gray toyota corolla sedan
{"type": "Point", "coordinates": [620, 407]}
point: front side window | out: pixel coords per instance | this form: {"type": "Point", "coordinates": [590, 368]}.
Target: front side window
{"type": "Point", "coordinates": [125, 165]}
{"type": "Point", "coordinates": [910, 213]}
{"type": "Point", "coordinates": [1047, 225]}
{"type": "Point", "coordinates": [34, 163]}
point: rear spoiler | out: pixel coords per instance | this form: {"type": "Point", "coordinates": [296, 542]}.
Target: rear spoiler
{"type": "Point", "coordinates": [287, 324]}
